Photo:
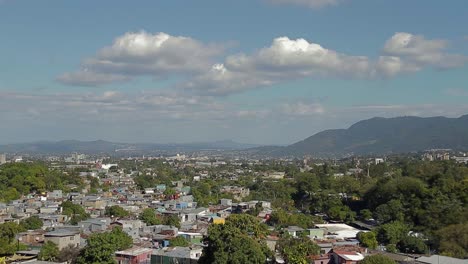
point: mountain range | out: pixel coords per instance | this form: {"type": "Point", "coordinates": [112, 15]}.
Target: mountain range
{"type": "Point", "coordinates": [378, 136]}
{"type": "Point", "coordinates": [375, 136]}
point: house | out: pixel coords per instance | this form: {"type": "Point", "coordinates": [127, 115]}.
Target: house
{"type": "Point", "coordinates": [276, 175]}
{"type": "Point", "coordinates": [345, 257]}
{"type": "Point", "coordinates": [192, 237]}
{"type": "Point", "coordinates": [94, 202]}
{"type": "Point", "coordinates": [315, 233]}
{"type": "Point", "coordinates": [437, 259]}
{"type": "Point", "coordinates": [218, 220]}
{"type": "Point", "coordinates": [63, 238]}
{"type": "Point", "coordinates": [94, 225]}
{"type": "Point", "coordinates": [237, 192]}
{"type": "Point", "coordinates": [190, 215]}
{"type": "Point", "coordinates": [294, 231]}
{"type": "Point", "coordinates": [181, 255]}
{"type": "Point", "coordinates": [161, 188]}
{"type": "Point", "coordinates": [397, 257]}
{"type": "Point", "coordinates": [134, 255]}
{"type": "Point", "coordinates": [226, 202]}
{"type": "Point", "coordinates": [31, 237]}
{"type": "Point", "coordinates": [338, 231]}
{"type": "Point", "coordinates": [271, 241]}
{"type": "Point", "coordinates": [55, 194]}
{"type": "Point", "coordinates": [321, 259]}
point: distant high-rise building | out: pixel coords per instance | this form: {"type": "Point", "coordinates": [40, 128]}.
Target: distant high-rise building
{"type": "Point", "coordinates": [2, 159]}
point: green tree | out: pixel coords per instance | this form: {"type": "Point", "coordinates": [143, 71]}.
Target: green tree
{"type": "Point", "coordinates": [172, 220]}
{"type": "Point", "coordinates": [307, 182]}
{"type": "Point", "coordinates": [9, 194]}
{"type": "Point", "coordinates": [9, 230]}
{"type": "Point", "coordinates": [228, 244]}
{"type": "Point", "coordinates": [116, 211]}
{"type": "Point", "coordinates": [169, 192]}
{"type": "Point", "coordinates": [377, 259]}
{"type": "Point", "coordinates": [341, 213]}
{"type": "Point", "coordinates": [281, 218]}
{"type": "Point", "coordinates": [75, 211]}
{"type": "Point", "coordinates": [179, 241]}
{"type": "Point", "coordinates": [392, 233]}
{"type": "Point", "coordinates": [101, 247]}
{"type": "Point", "coordinates": [366, 214]}
{"type": "Point", "coordinates": [368, 239]}
{"type": "Point", "coordinates": [412, 244]}
{"type": "Point", "coordinates": [248, 224]}
{"type": "Point", "coordinates": [8, 242]}
{"type": "Point", "coordinates": [452, 240]}
{"type": "Point", "coordinates": [69, 254]}
{"type": "Point", "coordinates": [297, 250]}
{"type": "Point", "coordinates": [148, 217]}
{"type": "Point", "coordinates": [388, 212]}
{"type": "Point", "coordinates": [49, 252]}
{"type": "Point", "coordinates": [239, 240]}
{"type": "Point", "coordinates": [23, 178]}
{"type": "Point", "coordinates": [32, 223]}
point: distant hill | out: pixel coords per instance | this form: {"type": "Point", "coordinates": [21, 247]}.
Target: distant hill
{"type": "Point", "coordinates": [384, 136]}
{"type": "Point", "coordinates": [101, 146]}
{"type": "Point", "coordinates": [375, 136]}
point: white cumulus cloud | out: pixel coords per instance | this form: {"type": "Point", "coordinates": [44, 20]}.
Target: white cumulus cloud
{"type": "Point", "coordinates": [194, 66]}
{"type": "Point", "coordinates": [406, 52]}
{"type": "Point", "coordinates": [285, 59]}
{"type": "Point", "coordinates": [142, 53]}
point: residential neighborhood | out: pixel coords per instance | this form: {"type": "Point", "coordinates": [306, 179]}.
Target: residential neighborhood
{"type": "Point", "coordinates": [167, 218]}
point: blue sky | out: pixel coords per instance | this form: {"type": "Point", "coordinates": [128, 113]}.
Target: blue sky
{"type": "Point", "coordinates": [257, 71]}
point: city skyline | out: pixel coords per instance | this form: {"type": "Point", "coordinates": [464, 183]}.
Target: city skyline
{"type": "Point", "coordinates": [263, 71]}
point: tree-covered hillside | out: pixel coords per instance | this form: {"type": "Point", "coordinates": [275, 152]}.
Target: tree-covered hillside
{"type": "Point", "coordinates": [17, 179]}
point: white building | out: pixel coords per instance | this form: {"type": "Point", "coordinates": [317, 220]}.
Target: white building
{"type": "Point", "coordinates": [379, 160]}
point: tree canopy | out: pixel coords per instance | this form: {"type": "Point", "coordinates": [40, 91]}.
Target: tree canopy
{"type": "Point", "coordinates": [23, 178]}
{"type": "Point", "coordinates": [377, 259]}
{"type": "Point", "coordinates": [179, 241]}
{"type": "Point", "coordinates": [49, 252]}
{"type": "Point", "coordinates": [75, 211]}
{"type": "Point", "coordinates": [148, 217]}
{"type": "Point", "coordinates": [116, 211]}
{"type": "Point", "coordinates": [101, 247]}
{"type": "Point", "coordinates": [237, 241]}
{"type": "Point", "coordinates": [297, 250]}
{"type": "Point", "coordinates": [32, 223]}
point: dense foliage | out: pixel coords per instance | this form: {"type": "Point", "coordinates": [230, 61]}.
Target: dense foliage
{"type": "Point", "coordinates": [171, 220]}
{"type": "Point", "coordinates": [100, 247]}
{"type": "Point", "coordinates": [148, 216]}
{"type": "Point", "coordinates": [8, 240]}
{"type": "Point", "coordinates": [32, 223]}
{"type": "Point", "coordinates": [179, 241]}
{"type": "Point", "coordinates": [116, 211]}
{"type": "Point", "coordinates": [49, 252]}
{"type": "Point", "coordinates": [21, 178]}
{"type": "Point", "coordinates": [237, 241]}
{"type": "Point", "coordinates": [281, 218]}
{"type": "Point", "coordinates": [297, 250]}
{"type": "Point", "coordinates": [427, 198]}
{"type": "Point", "coordinates": [368, 239]}
{"type": "Point", "coordinates": [377, 259]}
{"type": "Point", "coordinates": [75, 211]}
